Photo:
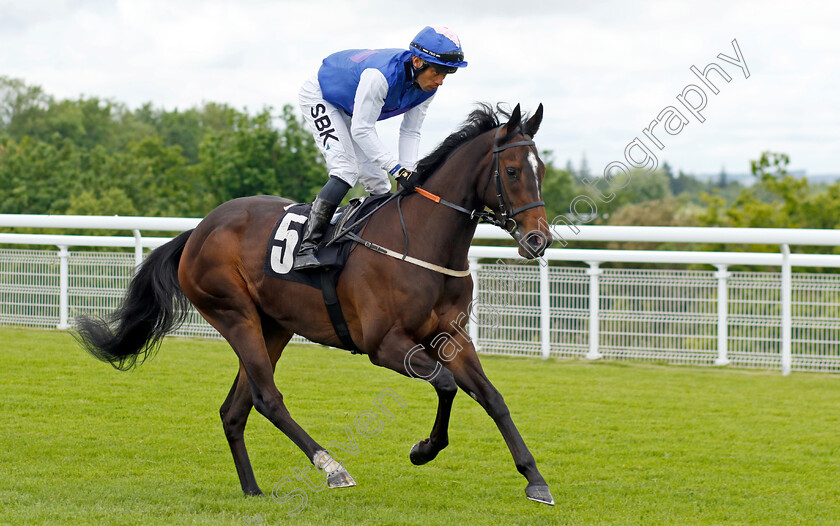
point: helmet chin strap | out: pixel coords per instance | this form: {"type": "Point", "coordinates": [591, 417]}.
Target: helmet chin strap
{"type": "Point", "coordinates": [415, 72]}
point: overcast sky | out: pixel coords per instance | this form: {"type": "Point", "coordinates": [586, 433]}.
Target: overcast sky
{"type": "Point", "coordinates": [603, 70]}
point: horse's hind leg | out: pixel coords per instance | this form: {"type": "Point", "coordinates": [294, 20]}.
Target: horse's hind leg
{"type": "Point", "coordinates": [235, 410]}
{"type": "Point", "coordinates": [234, 413]}
{"type": "Point", "coordinates": [241, 327]}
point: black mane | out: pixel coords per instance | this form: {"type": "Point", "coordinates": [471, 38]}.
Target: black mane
{"type": "Point", "coordinates": [482, 119]}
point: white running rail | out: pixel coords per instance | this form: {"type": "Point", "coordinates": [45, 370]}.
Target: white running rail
{"type": "Point", "coordinates": [693, 315]}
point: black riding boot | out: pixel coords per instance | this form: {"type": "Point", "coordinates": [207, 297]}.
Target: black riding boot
{"type": "Point", "coordinates": [319, 217]}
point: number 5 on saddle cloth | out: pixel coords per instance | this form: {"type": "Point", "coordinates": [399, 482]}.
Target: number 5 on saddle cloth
{"type": "Point", "coordinates": [332, 252]}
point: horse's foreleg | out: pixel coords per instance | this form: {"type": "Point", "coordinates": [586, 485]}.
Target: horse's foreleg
{"type": "Point", "coordinates": [470, 377]}
{"type": "Point", "coordinates": [427, 449]}
{"type": "Point", "coordinates": [393, 355]}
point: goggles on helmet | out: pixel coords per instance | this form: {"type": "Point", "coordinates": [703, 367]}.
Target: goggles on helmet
{"type": "Point", "coordinates": [440, 68]}
{"type": "Point", "coordinates": [448, 56]}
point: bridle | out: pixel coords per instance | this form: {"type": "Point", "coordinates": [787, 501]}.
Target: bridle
{"type": "Point", "coordinates": [506, 221]}
{"type": "Point", "coordinates": [496, 174]}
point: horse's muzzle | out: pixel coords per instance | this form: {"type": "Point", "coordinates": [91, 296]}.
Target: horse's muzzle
{"type": "Point", "coordinates": [533, 245]}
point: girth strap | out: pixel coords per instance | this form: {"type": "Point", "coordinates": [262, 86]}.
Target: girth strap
{"type": "Point", "coordinates": [336, 316]}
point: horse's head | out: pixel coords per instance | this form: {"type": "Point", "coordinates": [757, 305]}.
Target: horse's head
{"type": "Point", "coordinates": [513, 190]}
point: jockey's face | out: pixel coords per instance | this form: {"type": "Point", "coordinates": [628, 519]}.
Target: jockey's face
{"type": "Point", "coordinates": [430, 78]}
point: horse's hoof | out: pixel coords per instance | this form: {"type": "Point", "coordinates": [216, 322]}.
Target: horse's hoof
{"type": "Point", "coordinates": [340, 479]}
{"type": "Point", "coordinates": [539, 493]}
{"type": "Point", "coordinates": [257, 492]}
{"type": "Point", "coordinates": [418, 456]}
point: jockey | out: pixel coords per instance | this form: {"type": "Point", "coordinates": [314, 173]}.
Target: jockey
{"type": "Point", "coordinates": [352, 90]}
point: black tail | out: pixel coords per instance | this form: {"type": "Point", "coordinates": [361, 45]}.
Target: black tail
{"type": "Point", "coordinates": [153, 306]}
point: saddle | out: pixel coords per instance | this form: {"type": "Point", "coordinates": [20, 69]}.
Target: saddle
{"type": "Point", "coordinates": [333, 251]}
{"type": "Point", "coordinates": [334, 248]}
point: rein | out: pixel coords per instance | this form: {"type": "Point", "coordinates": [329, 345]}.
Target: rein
{"type": "Point", "coordinates": [399, 195]}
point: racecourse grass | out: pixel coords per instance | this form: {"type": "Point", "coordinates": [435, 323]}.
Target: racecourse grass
{"type": "Point", "coordinates": [619, 443]}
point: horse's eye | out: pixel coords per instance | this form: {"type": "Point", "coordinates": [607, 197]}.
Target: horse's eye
{"type": "Point", "coordinates": [511, 171]}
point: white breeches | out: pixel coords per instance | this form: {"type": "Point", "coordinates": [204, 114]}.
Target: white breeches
{"type": "Point", "coordinates": [330, 127]}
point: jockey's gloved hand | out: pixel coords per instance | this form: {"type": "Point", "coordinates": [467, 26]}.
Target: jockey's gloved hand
{"type": "Point", "coordinates": [404, 177]}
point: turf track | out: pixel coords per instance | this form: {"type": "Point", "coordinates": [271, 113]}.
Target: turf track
{"type": "Point", "coordinates": [619, 443]}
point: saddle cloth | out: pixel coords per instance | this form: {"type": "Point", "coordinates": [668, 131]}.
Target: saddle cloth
{"type": "Point", "coordinates": [288, 233]}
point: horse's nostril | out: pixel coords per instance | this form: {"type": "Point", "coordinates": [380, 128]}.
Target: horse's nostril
{"type": "Point", "coordinates": [536, 240]}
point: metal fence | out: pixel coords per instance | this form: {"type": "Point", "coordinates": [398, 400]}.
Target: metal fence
{"type": "Point", "coordinates": [32, 293]}
{"type": "Point", "coordinates": [782, 320]}
{"type": "Point", "coordinates": [670, 316]}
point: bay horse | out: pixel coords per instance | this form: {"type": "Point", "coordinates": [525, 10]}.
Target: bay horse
{"type": "Point", "coordinates": [391, 306]}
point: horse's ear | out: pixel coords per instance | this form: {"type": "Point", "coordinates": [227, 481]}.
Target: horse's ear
{"type": "Point", "coordinates": [515, 119]}
{"type": "Point", "coordinates": [533, 124]}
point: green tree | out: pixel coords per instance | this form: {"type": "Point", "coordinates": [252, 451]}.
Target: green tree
{"type": "Point", "coordinates": [156, 177]}
{"type": "Point", "coordinates": [777, 200]}
{"type": "Point", "coordinates": [301, 169]}
{"type": "Point", "coordinates": [642, 188]}
{"type": "Point", "coordinates": [558, 187]}
{"type": "Point", "coordinates": [19, 103]}
{"type": "Point", "coordinates": [188, 128]}
{"type": "Point", "coordinates": [687, 184]}
{"type": "Point", "coordinates": [90, 155]}
{"type": "Point", "coordinates": [35, 177]}
{"type": "Point", "coordinates": [242, 161]}
{"type": "Point", "coordinates": [112, 201]}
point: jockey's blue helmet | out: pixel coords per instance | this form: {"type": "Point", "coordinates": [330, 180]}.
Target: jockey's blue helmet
{"type": "Point", "coordinates": [441, 46]}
